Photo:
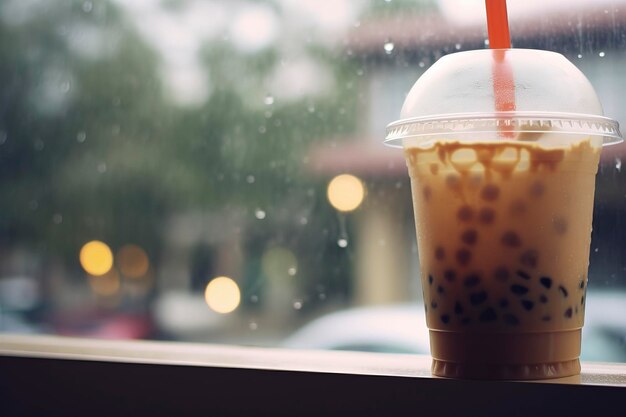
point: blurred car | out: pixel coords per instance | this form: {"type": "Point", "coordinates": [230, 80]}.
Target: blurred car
{"type": "Point", "coordinates": [402, 329]}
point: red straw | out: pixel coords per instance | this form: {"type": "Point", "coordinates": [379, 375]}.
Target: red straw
{"type": "Point", "coordinates": [498, 24]}
{"type": "Point", "coordinates": [499, 39]}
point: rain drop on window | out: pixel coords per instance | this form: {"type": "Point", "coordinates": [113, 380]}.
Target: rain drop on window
{"type": "Point", "coordinates": [342, 243]}
{"type": "Point", "coordinates": [579, 56]}
{"type": "Point", "coordinates": [262, 129]}
{"type": "Point", "coordinates": [618, 164]}
{"type": "Point", "coordinates": [421, 64]}
{"type": "Point", "coordinates": [457, 46]}
{"type": "Point", "coordinates": [388, 47]}
{"type": "Point", "coordinates": [311, 108]}
{"type": "Point", "coordinates": [81, 136]}
{"type": "Point", "coordinates": [250, 179]}
{"type": "Point", "coordinates": [65, 86]}
{"type": "Point", "coordinates": [596, 250]}
{"type": "Point", "coordinates": [268, 100]}
{"type": "Point", "coordinates": [292, 271]}
{"type": "Point", "coordinates": [87, 6]}
{"type": "Point", "coordinates": [254, 298]}
{"type": "Point", "coordinates": [259, 214]}
{"type": "Point", "coordinates": [486, 42]}
{"type": "Point", "coordinates": [297, 305]}
{"type": "Point", "coordinates": [304, 221]}
{"type": "Point", "coordinates": [601, 54]}
{"type": "Point", "coordinates": [253, 325]}
{"type": "Point", "coordinates": [102, 167]}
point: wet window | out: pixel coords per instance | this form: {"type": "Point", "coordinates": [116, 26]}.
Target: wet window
{"type": "Point", "coordinates": [213, 171]}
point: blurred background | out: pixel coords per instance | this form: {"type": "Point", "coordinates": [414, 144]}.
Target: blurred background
{"type": "Point", "coordinates": [213, 171]}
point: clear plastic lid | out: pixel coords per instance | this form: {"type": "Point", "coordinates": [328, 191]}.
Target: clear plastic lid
{"type": "Point", "coordinates": [455, 98]}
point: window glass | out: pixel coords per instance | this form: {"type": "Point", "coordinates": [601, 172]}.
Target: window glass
{"type": "Point", "coordinates": [213, 171]}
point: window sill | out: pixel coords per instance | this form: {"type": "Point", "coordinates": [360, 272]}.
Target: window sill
{"type": "Point", "coordinates": [56, 375]}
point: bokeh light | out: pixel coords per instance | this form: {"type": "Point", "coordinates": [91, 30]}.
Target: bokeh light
{"type": "Point", "coordinates": [279, 263]}
{"type": "Point", "coordinates": [107, 284]}
{"type": "Point", "coordinates": [346, 192]}
{"type": "Point", "coordinates": [132, 261]}
{"type": "Point", "coordinates": [222, 295]}
{"type": "Point", "coordinates": [96, 258]}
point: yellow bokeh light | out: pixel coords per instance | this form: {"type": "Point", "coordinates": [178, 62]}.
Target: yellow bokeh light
{"type": "Point", "coordinates": [346, 192]}
{"type": "Point", "coordinates": [222, 295]}
{"type": "Point", "coordinates": [107, 284]}
{"type": "Point", "coordinates": [132, 261]}
{"type": "Point", "coordinates": [96, 258]}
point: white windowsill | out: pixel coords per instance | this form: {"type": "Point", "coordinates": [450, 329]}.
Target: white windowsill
{"type": "Point", "coordinates": [223, 356]}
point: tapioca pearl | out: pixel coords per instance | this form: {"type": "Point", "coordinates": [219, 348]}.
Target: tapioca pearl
{"type": "Point", "coordinates": [440, 289]}
{"type": "Point", "coordinates": [563, 291]}
{"type": "Point", "coordinates": [537, 189]}
{"type": "Point", "coordinates": [471, 280]}
{"type": "Point", "coordinates": [501, 274]}
{"type": "Point", "coordinates": [568, 313]}
{"type": "Point", "coordinates": [449, 275]}
{"type": "Point", "coordinates": [458, 308]}
{"type": "Point", "coordinates": [463, 256]}
{"type": "Point", "coordinates": [546, 318]}
{"type": "Point", "coordinates": [543, 299]}
{"type": "Point", "coordinates": [434, 169]}
{"type": "Point", "coordinates": [440, 253]}
{"type": "Point", "coordinates": [511, 239]}
{"type": "Point", "coordinates": [433, 304]}
{"type": "Point", "coordinates": [488, 315]}
{"type": "Point", "coordinates": [560, 225]}
{"type": "Point", "coordinates": [445, 318]}
{"type": "Point", "coordinates": [427, 192]}
{"type": "Point", "coordinates": [518, 289]}
{"type": "Point", "coordinates": [478, 298]}
{"type": "Point", "coordinates": [503, 303]}
{"type": "Point", "coordinates": [469, 237]}
{"type": "Point", "coordinates": [465, 213]}
{"type": "Point", "coordinates": [546, 282]}
{"type": "Point", "coordinates": [453, 181]}
{"type": "Point", "coordinates": [582, 300]}
{"type": "Point", "coordinates": [486, 215]}
{"type": "Point", "coordinates": [518, 207]}
{"type": "Point", "coordinates": [430, 279]}
{"type": "Point", "coordinates": [530, 258]}
{"type": "Point", "coordinates": [510, 319]}
{"type": "Point", "coordinates": [581, 284]}
{"type": "Point", "coordinates": [522, 274]}
{"type": "Point", "coordinates": [490, 192]}
{"type": "Point", "coordinates": [466, 321]}
{"type": "Point", "coordinates": [528, 305]}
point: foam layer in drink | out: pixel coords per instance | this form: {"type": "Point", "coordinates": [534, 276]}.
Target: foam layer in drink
{"type": "Point", "coordinates": [503, 233]}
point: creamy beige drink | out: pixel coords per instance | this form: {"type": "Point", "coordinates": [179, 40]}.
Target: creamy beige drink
{"type": "Point", "coordinates": [503, 232]}
{"type": "Point", "coordinates": [502, 148]}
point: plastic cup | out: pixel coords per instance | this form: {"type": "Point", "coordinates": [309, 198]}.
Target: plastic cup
{"type": "Point", "coordinates": [503, 207]}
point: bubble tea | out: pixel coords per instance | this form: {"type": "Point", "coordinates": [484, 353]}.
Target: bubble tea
{"type": "Point", "coordinates": [503, 209]}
